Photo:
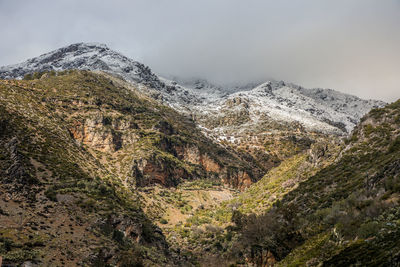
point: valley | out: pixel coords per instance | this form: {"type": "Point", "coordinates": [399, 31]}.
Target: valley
{"type": "Point", "coordinates": [104, 163]}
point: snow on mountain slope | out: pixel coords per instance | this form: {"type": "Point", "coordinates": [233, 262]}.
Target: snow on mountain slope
{"type": "Point", "coordinates": [215, 107]}
{"type": "Point", "coordinates": [83, 56]}
{"type": "Point", "coordinates": [321, 110]}
{"type": "Point", "coordinates": [94, 56]}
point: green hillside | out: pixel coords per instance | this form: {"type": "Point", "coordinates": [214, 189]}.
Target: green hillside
{"type": "Point", "coordinates": [76, 147]}
{"type": "Point", "coordinates": [96, 173]}
{"type": "Point", "coordinates": [346, 211]}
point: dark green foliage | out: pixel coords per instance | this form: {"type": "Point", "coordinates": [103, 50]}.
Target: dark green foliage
{"type": "Point", "coordinates": [382, 251]}
{"type": "Point", "coordinates": [273, 232]}
{"type": "Point", "coordinates": [16, 253]}
{"type": "Point", "coordinates": [118, 236]}
{"type": "Point", "coordinates": [395, 145]}
{"type": "Point", "coordinates": [50, 193]}
{"type": "Point", "coordinates": [131, 258]}
{"type": "Point", "coordinates": [238, 219]}
{"type": "Point", "coordinates": [28, 77]}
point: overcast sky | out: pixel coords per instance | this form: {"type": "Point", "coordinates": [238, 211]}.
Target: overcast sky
{"type": "Point", "coordinates": [348, 45]}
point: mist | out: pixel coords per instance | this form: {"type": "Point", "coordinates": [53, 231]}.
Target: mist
{"type": "Point", "coordinates": [347, 45]}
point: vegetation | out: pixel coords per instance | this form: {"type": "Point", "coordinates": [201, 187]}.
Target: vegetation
{"type": "Point", "coordinates": [81, 152]}
{"type": "Point", "coordinates": [341, 208]}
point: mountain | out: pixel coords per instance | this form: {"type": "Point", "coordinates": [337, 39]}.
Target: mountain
{"type": "Point", "coordinates": [94, 56]}
{"type": "Point", "coordinates": [104, 163]}
{"type": "Point", "coordinates": [320, 110]}
{"type": "Point", "coordinates": [59, 205]}
{"type": "Point", "coordinates": [270, 121]}
{"type": "Point", "coordinates": [346, 214]}
{"type": "Point", "coordinates": [77, 148]}
{"type": "Point", "coordinates": [335, 205]}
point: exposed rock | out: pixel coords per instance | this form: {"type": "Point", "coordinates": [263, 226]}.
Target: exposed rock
{"type": "Point", "coordinates": [157, 170]}
{"type": "Point", "coordinates": [95, 133]}
{"type": "Point", "coordinates": [17, 171]}
{"type": "Point", "coordinates": [209, 164]}
{"type": "Point", "coordinates": [192, 154]}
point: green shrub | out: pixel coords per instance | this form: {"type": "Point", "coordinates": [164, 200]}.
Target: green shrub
{"type": "Point", "coordinates": [28, 76]}
{"type": "Point", "coordinates": [51, 194]}
{"type": "Point", "coordinates": [368, 229]}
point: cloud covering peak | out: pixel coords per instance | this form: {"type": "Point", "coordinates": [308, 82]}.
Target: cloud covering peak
{"type": "Point", "coordinates": [351, 46]}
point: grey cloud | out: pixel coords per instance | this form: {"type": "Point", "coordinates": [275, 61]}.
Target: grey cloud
{"type": "Point", "coordinates": [348, 45]}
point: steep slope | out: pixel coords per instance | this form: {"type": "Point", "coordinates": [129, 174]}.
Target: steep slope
{"type": "Point", "coordinates": [149, 143]}
{"type": "Point", "coordinates": [104, 155]}
{"type": "Point", "coordinates": [210, 234]}
{"type": "Point", "coordinates": [58, 205]}
{"type": "Point", "coordinates": [269, 122]}
{"type": "Point", "coordinates": [286, 105]}
{"type": "Point", "coordinates": [76, 150]}
{"type": "Point", "coordinates": [95, 56]}
{"type": "Point", "coordinates": [333, 206]}
{"type": "Point", "coordinates": [346, 210]}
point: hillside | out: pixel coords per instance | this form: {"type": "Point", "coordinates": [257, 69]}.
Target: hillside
{"type": "Point", "coordinates": [336, 205]}
{"type": "Point", "coordinates": [104, 163]}
{"type": "Point", "coordinates": [59, 206]}
{"type": "Point", "coordinates": [345, 214]}
{"type": "Point", "coordinates": [264, 123]}
{"type": "Point", "coordinates": [81, 145]}
{"type": "Point", "coordinates": [248, 107]}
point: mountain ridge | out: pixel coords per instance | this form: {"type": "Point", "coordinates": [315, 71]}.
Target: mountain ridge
{"type": "Point", "coordinates": [117, 166]}
{"type": "Point", "coordinates": [326, 112]}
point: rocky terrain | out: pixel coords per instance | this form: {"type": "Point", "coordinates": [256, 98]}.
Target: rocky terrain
{"type": "Point", "coordinates": [270, 121]}
{"type": "Point", "coordinates": [73, 140]}
{"type": "Point", "coordinates": [336, 205]}
{"type": "Point", "coordinates": [249, 106]}
{"type": "Point", "coordinates": [104, 163]}
{"type": "Point", "coordinates": [59, 206]}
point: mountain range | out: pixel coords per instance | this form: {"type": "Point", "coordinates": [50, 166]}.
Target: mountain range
{"type": "Point", "coordinates": [105, 163]}
{"type": "Point", "coordinates": [321, 110]}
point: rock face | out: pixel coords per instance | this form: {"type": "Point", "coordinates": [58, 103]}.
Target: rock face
{"type": "Point", "coordinates": [17, 171]}
{"type": "Point", "coordinates": [156, 169]}
{"type": "Point", "coordinates": [103, 133]}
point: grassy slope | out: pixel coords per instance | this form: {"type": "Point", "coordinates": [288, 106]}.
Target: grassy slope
{"type": "Point", "coordinates": [114, 100]}
{"type": "Point", "coordinates": [206, 236]}
{"type": "Point", "coordinates": [342, 209]}
{"type": "Point", "coordinates": [350, 209]}
{"type": "Point", "coordinates": [85, 184]}
{"type": "Point", "coordinates": [55, 205]}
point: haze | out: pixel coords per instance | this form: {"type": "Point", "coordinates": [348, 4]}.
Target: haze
{"type": "Point", "coordinates": [348, 45]}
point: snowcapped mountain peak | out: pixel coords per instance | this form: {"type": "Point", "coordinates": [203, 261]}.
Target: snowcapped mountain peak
{"type": "Point", "coordinates": [316, 109]}
{"type": "Point", "coordinates": [84, 56]}
{"type": "Point", "coordinates": [264, 87]}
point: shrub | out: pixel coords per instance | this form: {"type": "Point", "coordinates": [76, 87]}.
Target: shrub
{"type": "Point", "coordinates": [368, 229]}
{"type": "Point", "coordinates": [28, 76]}
{"type": "Point", "coordinates": [51, 194]}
